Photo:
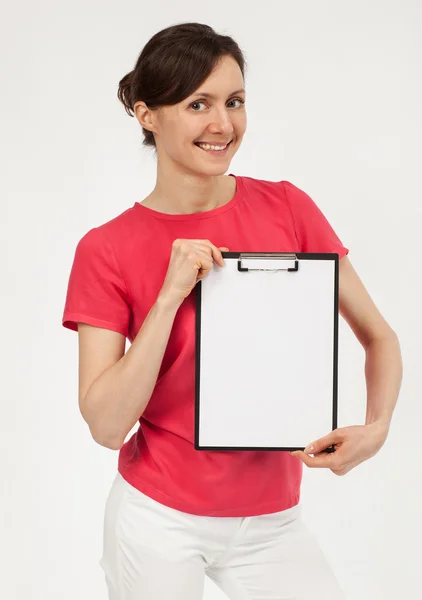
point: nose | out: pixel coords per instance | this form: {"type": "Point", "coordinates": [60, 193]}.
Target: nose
{"type": "Point", "coordinates": [221, 123]}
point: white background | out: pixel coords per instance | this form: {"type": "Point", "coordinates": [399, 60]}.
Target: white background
{"type": "Point", "coordinates": [333, 98]}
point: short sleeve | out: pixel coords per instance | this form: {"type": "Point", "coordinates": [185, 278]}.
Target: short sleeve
{"type": "Point", "coordinates": [96, 293]}
{"type": "Point", "coordinates": [313, 231]}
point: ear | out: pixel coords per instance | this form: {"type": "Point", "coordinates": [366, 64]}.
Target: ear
{"type": "Point", "coordinates": [145, 116]}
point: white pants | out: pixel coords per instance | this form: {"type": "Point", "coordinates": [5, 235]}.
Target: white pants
{"type": "Point", "coordinates": [153, 552]}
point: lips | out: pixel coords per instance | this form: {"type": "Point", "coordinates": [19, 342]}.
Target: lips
{"type": "Point", "coordinates": [214, 143]}
{"type": "Point", "coordinates": [215, 153]}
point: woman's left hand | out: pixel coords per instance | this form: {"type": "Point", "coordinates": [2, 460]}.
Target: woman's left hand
{"type": "Point", "coordinates": [353, 445]}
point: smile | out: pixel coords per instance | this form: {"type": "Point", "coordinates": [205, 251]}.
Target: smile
{"type": "Point", "coordinates": [211, 149]}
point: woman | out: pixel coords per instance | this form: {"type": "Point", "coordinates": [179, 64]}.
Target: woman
{"type": "Point", "coordinates": [175, 514]}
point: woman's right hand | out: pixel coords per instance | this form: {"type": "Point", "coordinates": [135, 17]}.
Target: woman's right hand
{"type": "Point", "coordinates": [190, 261]}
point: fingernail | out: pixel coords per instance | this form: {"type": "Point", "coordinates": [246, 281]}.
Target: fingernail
{"type": "Point", "coordinates": [309, 449]}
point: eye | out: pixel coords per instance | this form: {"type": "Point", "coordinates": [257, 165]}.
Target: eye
{"type": "Point", "coordinates": [242, 102]}
{"type": "Point", "coordinates": [197, 102]}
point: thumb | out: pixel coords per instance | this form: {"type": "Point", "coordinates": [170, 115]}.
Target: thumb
{"type": "Point", "coordinates": [322, 443]}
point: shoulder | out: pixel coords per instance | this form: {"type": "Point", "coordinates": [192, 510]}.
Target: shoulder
{"type": "Point", "coordinates": [110, 232]}
{"type": "Point", "coordinates": [279, 191]}
{"type": "Point", "coordinates": [253, 183]}
{"type": "Point", "coordinates": [281, 187]}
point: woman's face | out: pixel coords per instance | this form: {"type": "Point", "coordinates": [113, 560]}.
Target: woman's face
{"type": "Point", "coordinates": [219, 118]}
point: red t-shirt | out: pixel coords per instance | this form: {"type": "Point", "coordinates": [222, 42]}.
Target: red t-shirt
{"type": "Point", "coordinates": [117, 273]}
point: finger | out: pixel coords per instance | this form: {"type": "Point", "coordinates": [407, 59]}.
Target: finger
{"type": "Point", "coordinates": [204, 263]}
{"type": "Point", "coordinates": [200, 254]}
{"type": "Point", "coordinates": [324, 442]}
{"type": "Point", "coordinates": [215, 252]}
{"type": "Point", "coordinates": [217, 255]}
{"type": "Point", "coordinates": [323, 453]}
{"type": "Point", "coordinates": [223, 249]}
{"type": "Point", "coordinates": [317, 462]}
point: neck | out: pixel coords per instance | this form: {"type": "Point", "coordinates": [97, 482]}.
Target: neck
{"type": "Point", "coordinates": [179, 192]}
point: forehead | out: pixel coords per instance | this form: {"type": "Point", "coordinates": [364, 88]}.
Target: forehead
{"type": "Point", "coordinates": [225, 80]}
{"type": "Point", "coordinates": [215, 96]}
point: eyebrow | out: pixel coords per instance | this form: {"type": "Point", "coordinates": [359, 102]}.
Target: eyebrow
{"type": "Point", "coordinates": [207, 95]}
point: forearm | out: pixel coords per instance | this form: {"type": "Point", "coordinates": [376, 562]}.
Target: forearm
{"type": "Point", "coordinates": [383, 372]}
{"type": "Point", "coordinates": [117, 399]}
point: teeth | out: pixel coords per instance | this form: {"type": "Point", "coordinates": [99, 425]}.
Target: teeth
{"type": "Point", "coordinates": [210, 147]}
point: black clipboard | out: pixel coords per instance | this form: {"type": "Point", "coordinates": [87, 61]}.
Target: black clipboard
{"type": "Point", "coordinates": [243, 264]}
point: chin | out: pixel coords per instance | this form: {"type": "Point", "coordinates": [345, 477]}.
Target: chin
{"type": "Point", "coordinates": [209, 168]}
{"type": "Point", "coordinates": [214, 170]}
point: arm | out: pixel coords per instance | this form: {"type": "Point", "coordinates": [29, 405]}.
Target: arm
{"type": "Point", "coordinates": [115, 388]}
{"type": "Point", "coordinates": [383, 365]}
{"type": "Point", "coordinates": [383, 372]}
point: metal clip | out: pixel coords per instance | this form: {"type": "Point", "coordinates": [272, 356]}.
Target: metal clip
{"type": "Point", "coordinates": [255, 257]}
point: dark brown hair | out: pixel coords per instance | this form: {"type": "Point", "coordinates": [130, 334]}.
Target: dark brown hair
{"type": "Point", "coordinates": [173, 64]}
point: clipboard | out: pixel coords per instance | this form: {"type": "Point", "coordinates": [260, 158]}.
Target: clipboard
{"type": "Point", "coordinates": [266, 351]}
